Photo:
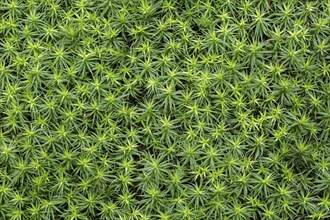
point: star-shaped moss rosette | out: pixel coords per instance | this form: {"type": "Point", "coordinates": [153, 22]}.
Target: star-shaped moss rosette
{"type": "Point", "coordinates": [164, 109]}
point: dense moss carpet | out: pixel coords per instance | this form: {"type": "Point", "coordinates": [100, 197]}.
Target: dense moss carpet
{"type": "Point", "coordinates": [164, 109]}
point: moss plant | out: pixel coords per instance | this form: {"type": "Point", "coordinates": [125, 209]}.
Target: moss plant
{"type": "Point", "coordinates": [164, 109]}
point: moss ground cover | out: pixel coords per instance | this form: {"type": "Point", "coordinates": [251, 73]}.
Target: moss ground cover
{"type": "Point", "coordinates": [164, 109]}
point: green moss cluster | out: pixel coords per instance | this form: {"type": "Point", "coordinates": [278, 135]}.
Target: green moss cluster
{"type": "Point", "coordinates": [164, 109]}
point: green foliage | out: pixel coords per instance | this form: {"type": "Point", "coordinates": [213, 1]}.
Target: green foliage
{"type": "Point", "coordinates": [147, 109]}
